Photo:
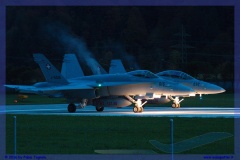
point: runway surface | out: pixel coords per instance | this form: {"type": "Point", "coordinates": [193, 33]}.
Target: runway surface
{"type": "Point", "coordinates": [61, 109]}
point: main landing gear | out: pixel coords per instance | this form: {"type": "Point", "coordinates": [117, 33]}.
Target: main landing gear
{"type": "Point", "coordinates": [72, 107]}
{"type": "Point", "coordinates": [138, 107]}
{"type": "Point", "coordinates": [176, 102]}
{"type": "Point", "coordinates": [99, 108]}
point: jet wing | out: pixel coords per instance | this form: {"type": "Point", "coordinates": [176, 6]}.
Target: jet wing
{"type": "Point", "coordinates": [22, 88]}
{"type": "Point", "coordinates": [71, 86]}
{"type": "Point", "coordinates": [33, 89]}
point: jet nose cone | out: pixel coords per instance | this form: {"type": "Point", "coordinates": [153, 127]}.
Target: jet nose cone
{"type": "Point", "coordinates": [217, 89]}
{"type": "Point", "coordinates": [184, 90]}
{"type": "Point", "coordinates": [221, 90]}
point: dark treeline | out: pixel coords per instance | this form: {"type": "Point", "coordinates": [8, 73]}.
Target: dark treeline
{"type": "Point", "coordinates": [197, 40]}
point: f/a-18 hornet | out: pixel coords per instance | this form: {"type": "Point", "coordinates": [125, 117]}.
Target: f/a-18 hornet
{"type": "Point", "coordinates": [199, 87]}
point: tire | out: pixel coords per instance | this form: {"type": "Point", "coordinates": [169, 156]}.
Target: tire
{"type": "Point", "coordinates": [99, 108]}
{"type": "Point", "coordinates": [135, 109]}
{"type": "Point", "coordinates": [71, 108]}
{"type": "Point", "coordinates": [173, 105]}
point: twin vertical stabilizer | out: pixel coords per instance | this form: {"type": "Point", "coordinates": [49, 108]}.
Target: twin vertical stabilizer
{"type": "Point", "coordinates": [51, 74]}
{"type": "Point", "coordinates": [116, 67]}
{"type": "Point", "coordinates": [71, 67]}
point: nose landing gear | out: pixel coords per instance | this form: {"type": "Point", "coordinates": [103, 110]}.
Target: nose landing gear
{"type": "Point", "coordinates": [176, 102]}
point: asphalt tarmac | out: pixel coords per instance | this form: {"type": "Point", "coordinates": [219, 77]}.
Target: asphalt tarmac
{"type": "Point", "coordinates": [61, 109]}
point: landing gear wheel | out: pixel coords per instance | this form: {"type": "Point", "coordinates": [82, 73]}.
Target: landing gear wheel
{"type": "Point", "coordinates": [99, 108]}
{"type": "Point", "coordinates": [176, 102]}
{"type": "Point", "coordinates": [135, 109]}
{"type": "Point", "coordinates": [174, 105]}
{"type": "Point", "coordinates": [71, 108]}
{"type": "Point", "coordinates": [138, 109]}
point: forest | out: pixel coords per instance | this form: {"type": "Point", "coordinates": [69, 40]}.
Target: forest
{"type": "Point", "coordinates": [198, 40]}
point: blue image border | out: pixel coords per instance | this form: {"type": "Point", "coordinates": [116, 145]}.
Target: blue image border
{"type": "Point", "coordinates": [234, 3]}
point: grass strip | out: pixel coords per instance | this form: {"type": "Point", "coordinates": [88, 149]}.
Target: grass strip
{"type": "Point", "coordinates": [83, 135]}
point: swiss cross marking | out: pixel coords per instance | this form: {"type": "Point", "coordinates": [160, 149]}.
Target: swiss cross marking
{"type": "Point", "coordinates": [48, 66]}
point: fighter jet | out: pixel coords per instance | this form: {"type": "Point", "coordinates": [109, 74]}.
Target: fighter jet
{"type": "Point", "coordinates": [132, 86]}
{"type": "Point", "coordinates": [199, 87]}
{"type": "Point", "coordinates": [70, 62]}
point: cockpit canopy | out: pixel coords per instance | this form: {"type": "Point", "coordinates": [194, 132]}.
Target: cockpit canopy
{"type": "Point", "coordinates": [143, 74]}
{"type": "Point", "coordinates": [175, 74]}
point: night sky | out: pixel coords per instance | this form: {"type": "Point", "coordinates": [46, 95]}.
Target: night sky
{"type": "Point", "coordinates": [197, 40]}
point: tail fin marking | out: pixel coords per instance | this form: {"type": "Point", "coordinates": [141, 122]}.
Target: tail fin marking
{"type": "Point", "coordinates": [50, 73]}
